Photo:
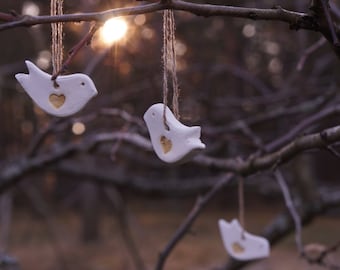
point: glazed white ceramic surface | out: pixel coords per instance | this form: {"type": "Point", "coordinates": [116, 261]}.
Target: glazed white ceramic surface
{"type": "Point", "coordinates": [74, 90]}
{"type": "Point", "coordinates": [176, 144]}
{"type": "Point", "coordinates": [240, 244]}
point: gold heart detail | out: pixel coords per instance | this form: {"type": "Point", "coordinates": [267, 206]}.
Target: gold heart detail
{"type": "Point", "coordinates": [57, 100]}
{"type": "Point", "coordinates": [237, 248]}
{"type": "Point", "coordinates": [166, 144]}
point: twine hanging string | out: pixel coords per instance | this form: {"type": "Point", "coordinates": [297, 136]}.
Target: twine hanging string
{"type": "Point", "coordinates": [165, 66]}
{"type": "Point", "coordinates": [169, 64]}
{"type": "Point", "coordinates": [241, 203]}
{"type": "Point", "coordinates": [57, 37]}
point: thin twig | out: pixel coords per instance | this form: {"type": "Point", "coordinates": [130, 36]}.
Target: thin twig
{"type": "Point", "coordinates": [117, 202]}
{"type": "Point", "coordinates": [127, 117]}
{"type": "Point", "coordinates": [58, 124]}
{"type": "Point", "coordinates": [325, 7]}
{"type": "Point", "coordinates": [306, 107]}
{"type": "Point", "coordinates": [39, 139]}
{"type": "Point", "coordinates": [43, 210]}
{"type": "Point", "coordinates": [291, 207]}
{"type": "Point", "coordinates": [309, 51]}
{"type": "Point", "coordinates": [7, 17]}
{"type": "Point", "coordinates": [331, 149]}
{"type": "Point", "coordinates": [257, 141]}
{"type": "Point", "coordinates": [73, 52]}
{"type": "Point", "coordinates": [326, 112]}
{"type": "Point", "coordinates": [5, 221]}
{"type": "Point", "coordinates": [201, 202]}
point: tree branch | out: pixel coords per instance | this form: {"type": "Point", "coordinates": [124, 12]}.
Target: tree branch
{"type": "Point", "coordinates": [253, 163]}
{"type": "Point", "coordinates": [12, 173]}
{"type": "Point", "coordinates": [296, 20]}
{"type": "Point", "coordinates": [126, 178]}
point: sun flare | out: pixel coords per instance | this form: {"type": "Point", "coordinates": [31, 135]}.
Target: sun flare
{"type": "Point", "coordinates": [113, 30]}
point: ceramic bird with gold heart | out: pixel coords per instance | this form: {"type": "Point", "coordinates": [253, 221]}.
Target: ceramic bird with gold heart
{"type": "Point", "coordinates": [64, 97]}
{"type": "Point", "coordinates": [173, 142]}
{"type": "Point", "coordinates": [240, 244]}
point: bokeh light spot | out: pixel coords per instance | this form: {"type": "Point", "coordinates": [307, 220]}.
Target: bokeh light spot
{"type": "Point", "coordinates": [44, 59]}
{"type": "Point", "coordinates": [181, 48]}
{"type": "Point", "coordinates": [113, 30]}
{"type": "Point", "coordinates": [31, 9]}
{"type": "Point", "coordinates": [272, 48]}
{"type": "Point", "coordinates": [140, 19]}
{"type": "Point", "coordinates": [275, 65]}
{"type": "Point", "coordinates": [78, 128]}
{"type": "Point", "coordinates": [148, 33]}
{"type": "Point", "coordinates": [249, 30]}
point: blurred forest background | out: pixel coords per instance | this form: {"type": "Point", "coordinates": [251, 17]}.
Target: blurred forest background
{"type": "Point", "coordinates": [87, 192]}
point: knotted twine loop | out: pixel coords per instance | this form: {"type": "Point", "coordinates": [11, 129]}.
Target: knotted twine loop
{"type": "Point", "coordinates": [57, 37]}
{"type": "Point", "coordinates": [169, 64]}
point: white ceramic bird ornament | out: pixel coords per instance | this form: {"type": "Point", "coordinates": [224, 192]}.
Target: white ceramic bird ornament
{"type": "Point", "coordinates": [242, 245]}
{"type": "Point", "coordinates": [70, 96]}
{"type": "Point", "coordinates": [178, 142]}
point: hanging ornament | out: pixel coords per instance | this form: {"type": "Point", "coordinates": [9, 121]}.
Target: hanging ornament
{"type": "Point", "coordinates": [175, 142]}
{"type": "Point", "coordinates": [71, 95]}
{"type": "Point", "coordinates": [172, 141]}
{"type": "Point", "coordinates": [240, 244]}
{"type": "Point", "coordinates": [57, 95]}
